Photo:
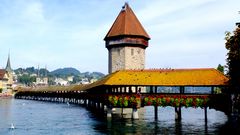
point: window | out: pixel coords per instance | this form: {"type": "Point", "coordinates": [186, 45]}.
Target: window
{"type": "Point", "coordinates": [138, 50]}
{"type": "Point", "coordinates": [132, 52]}
{"type": "Point", "coordinates": [198, 90]}
{"type": "Point", "coordinates": [118, 51]}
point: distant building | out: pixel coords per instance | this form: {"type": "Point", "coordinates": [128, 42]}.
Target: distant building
{"type": "Point", "coordinates": [6, 78]}
{"type": "Point", "coordinates": [60, 81]}
{"type": "Point", "coordinates": [41, 80]}
{"type": "Point", "coordinates": [33, 75]}
{"type": "Point", "coordinates": [93, 80]}
{"type": "Point", "coordinates": [3, 81]}
{"type": "Point", "coordinates": [84, 81]}
{"type": "Point", "coordinates": [70, 78]}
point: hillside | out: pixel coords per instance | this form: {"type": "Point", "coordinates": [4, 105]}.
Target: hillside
{"type": "Point", "coordinates": [28, 75]}
{"type": "Point", "coordinates": [65, 72]}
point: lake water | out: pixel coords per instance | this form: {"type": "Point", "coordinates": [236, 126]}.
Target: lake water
{"type": "Point", "coordinates": [42, 118]}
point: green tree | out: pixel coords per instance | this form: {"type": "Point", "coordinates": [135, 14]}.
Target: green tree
{"type": "Point", "coordinates": [233, 59]}
{"type": "Point", "coordinates": [220, 68]}
{"type": "Point", "coordinates": [26, 79]}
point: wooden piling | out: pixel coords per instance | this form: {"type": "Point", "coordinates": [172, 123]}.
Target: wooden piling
{"type": "Point", "coordinates": [156, 112]}
{"type": "Point", "coordinates": [205, 114]}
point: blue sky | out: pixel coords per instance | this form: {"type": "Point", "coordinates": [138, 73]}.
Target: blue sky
{"type": "Point", "coordinates": [69, 33]}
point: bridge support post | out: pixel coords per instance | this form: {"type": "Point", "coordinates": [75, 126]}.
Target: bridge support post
{"type": "Point", "coordinates": [205, 114]}
{"type": "Point", "coordinates": [98, 105]}
{"type": "Point", "coordinates": [135, 113]}
{"type": "Point", "coordinates": [87, 103]}
{"type": "Point", "coordinates": [156, 112]}
{"type": "Point", "coordinates": [109, 112]}
{"type": "Point", "coordinates": [101, 108]}
{"type": "Point", "coordinates": [178, 113]}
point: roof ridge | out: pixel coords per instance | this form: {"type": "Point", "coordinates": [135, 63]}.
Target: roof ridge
{"type": "Point", "coordinates": [167, 69]}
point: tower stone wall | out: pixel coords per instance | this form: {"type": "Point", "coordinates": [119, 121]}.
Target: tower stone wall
{"type": "Point", "coordinates": [134, 58]}
{"type": "Point", "coordinates": [116, 59]}
{"type": "Point", "coordinates": [127, 57]}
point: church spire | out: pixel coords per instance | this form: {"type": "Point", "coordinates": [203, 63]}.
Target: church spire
{"type": "Point", "coordinates": [8, 66]}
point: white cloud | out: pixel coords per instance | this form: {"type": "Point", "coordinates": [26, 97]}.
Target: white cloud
{"type": "Point", "coordinates": [157, 9]}
{"type": "Point", "coordinates": [188, 34]}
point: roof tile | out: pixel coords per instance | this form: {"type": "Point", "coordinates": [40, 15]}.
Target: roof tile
{"type": "Point", "coordinates": [126, 24]}
{"type": "Point", "coordinates": [164, 77]}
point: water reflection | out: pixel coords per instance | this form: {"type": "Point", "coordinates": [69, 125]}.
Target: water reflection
{"type": "Point", "coordinates": [52, 118]}
{"type": "Point", "coordinates": [5, 108]}
{"type": "Point", "coordinates": [193, 122]}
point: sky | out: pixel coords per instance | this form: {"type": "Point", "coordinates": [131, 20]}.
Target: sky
{"type": "Point", "coordinates": [69, 33]}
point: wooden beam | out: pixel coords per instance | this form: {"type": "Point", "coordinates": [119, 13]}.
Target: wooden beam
{"type": "Point", "coordinates": [151, 89]}
{"type": "Point", "coordinates": [155, 89]}
{"type": "Point", "coordinates": [212, 90]}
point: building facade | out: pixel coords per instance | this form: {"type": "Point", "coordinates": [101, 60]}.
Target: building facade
{"type": "Point", "coordinates": [41, 81]}
{"type": "Point", "coordinates": [6, 78]}
{"type": "Point", "coordinates": [3, 81]}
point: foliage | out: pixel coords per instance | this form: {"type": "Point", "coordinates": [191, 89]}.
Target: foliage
{"type": "Point", "coordinates": [32, 70]}
{"type": "Point", "coordinates": [163, 100]}
{"type": "Point", "coordinates": [233, 59]}
{"type": "Point", "coordinates": [124, 100]}
{"type": "Point", "coordinates": [220, 68]}
{"type": "Point", "coordinates": [0, 90]}
{"type": "Point", "coordinates": [26, 75]}
{"type": "Point", "coordinates": [187, 101]}
{"type": "Point", "coordinates": [26, 79]}
{"type": "Point", "coordinates": [65, 72]}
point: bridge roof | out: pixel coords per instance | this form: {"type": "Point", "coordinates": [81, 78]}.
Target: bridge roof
{"type": "Point", "coordinates": [163, 77]}
{"type": "Point", "coordinates": [51, 88]}
{"type": "Point", "coordinates": [152, 77]}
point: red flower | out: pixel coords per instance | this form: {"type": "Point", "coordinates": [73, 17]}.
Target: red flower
{"type": "Point", "coordinates": [168, 99]}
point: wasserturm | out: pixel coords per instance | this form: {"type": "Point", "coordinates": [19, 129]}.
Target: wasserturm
{"type": "Point", "coordinates": [126, 42]}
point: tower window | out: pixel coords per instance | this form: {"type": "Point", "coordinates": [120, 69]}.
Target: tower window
{"type": "Point", "coordinates": [138, 51]}
{"type": "Point", "coordinates": [132, 52]}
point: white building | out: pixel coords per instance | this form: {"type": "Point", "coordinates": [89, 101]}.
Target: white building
{"type": "Point", "coordinates": [60, 81]}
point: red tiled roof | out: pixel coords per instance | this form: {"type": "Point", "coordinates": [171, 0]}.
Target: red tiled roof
{"type": "Point", "coordinates": [126, 24]}
{"type": "Point", "coordinates": [2, 73]}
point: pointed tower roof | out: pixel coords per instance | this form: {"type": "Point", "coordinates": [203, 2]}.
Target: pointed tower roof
{"type": "Point", "coordinates": [8, 66]}
{"type": "Point", "coordinates": [126, 24]}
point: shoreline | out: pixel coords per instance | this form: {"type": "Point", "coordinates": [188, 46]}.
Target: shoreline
{"type": "Point", "coordinates": [6, 95]}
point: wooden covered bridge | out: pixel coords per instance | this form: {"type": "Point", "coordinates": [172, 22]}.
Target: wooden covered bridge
{"type": "Point", "coordinates": [138, 88]}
